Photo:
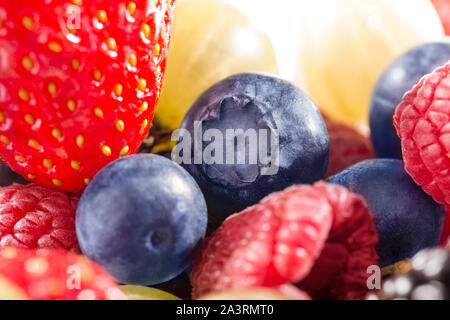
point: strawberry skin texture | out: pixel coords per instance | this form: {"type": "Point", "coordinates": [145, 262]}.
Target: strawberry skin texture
{"type": "Point", "coordinates": [74, 99]}
{"type": "Point", "coordinates": [45, 274]}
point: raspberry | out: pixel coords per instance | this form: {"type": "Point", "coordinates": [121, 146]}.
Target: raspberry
{"type": "Point", "coordinates": [341, 270]}
{"type": "Point", "coordinates": [347, 147]}
{"type": "Point", "coordinates": [445, 238]}
{"type": "Point", "coordinates": [45, 274]}
{"type": "Point", "coordinates": [36, 217]}
{"type": "Point", "coordinates": [290, 236]}
{"type": "Point", "coordinates": [422, 121]}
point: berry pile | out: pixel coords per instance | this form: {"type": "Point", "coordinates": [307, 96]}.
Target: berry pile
{"type": "Point", "coordinates": [243, 190]}
{"type": "Point", "coordinates": [393, 84]}
{"type": "Point", "coordinates": [319, 237]}
{"type": "Point", "coordinates": [406, 218]}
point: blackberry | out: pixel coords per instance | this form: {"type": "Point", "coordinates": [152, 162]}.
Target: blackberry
{"type": "Point", "coordinates": [429, 279]}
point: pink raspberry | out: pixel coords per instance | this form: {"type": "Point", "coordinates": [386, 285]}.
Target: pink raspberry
{"type": "Point", "coordinates": [422, 121]}
{"type": "Point", "coordinates": [323, 232]}
{"type": "Point", "coordinates": [34, 217]}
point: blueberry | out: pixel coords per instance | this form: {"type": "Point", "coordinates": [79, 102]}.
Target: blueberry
{"type": "Point", "coordinates": [406, 218]}
{"type": "Point", "coordinates": [141, 217]}
{"type": "Point", "coordinates": [279, 139]}
{"type": "Point", "coordinates": [397, 80]}
{"type": "Point", "coordinates": [8, 177]}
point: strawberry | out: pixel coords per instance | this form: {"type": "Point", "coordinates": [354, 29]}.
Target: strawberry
{"type": "Point", "coordinates": [79, 81]}
{"type": "Point", "coordinates": [53, 275]}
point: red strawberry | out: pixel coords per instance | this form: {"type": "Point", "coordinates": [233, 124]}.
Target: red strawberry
{"type": "Point", "coordinates": [54, 275]}
{"type": "Point", "coordinates": [78, 83]}
{"type": "Point", "coordinates": [422, 121]}
{"type": "Point", "coordinates": [443, 8]}
{"type": "Point", "coordinates": [319, 237]}
{"type": "Point", "coordinates": [36, 217]}
{"type": "Point", "coordinates": [347, 147]}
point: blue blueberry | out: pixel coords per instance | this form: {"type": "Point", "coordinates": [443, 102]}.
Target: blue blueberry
{"type": "Point", "coordinates": [8, 177]}
{"type": "Point", "coordinates": [141, 217]}
{"type": "Point", "coordinates": [406, 218]}
{"type": "Point", "coordinates": [398, 79]}
{"type": "Point", "coordinates": [253, 103]}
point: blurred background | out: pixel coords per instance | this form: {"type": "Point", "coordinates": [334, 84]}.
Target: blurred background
{"type": "Point", "coordinates": [335, 50]}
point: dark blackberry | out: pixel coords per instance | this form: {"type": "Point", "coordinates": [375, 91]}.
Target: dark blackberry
{"type": "Point", "coordinates": [429, 279]}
